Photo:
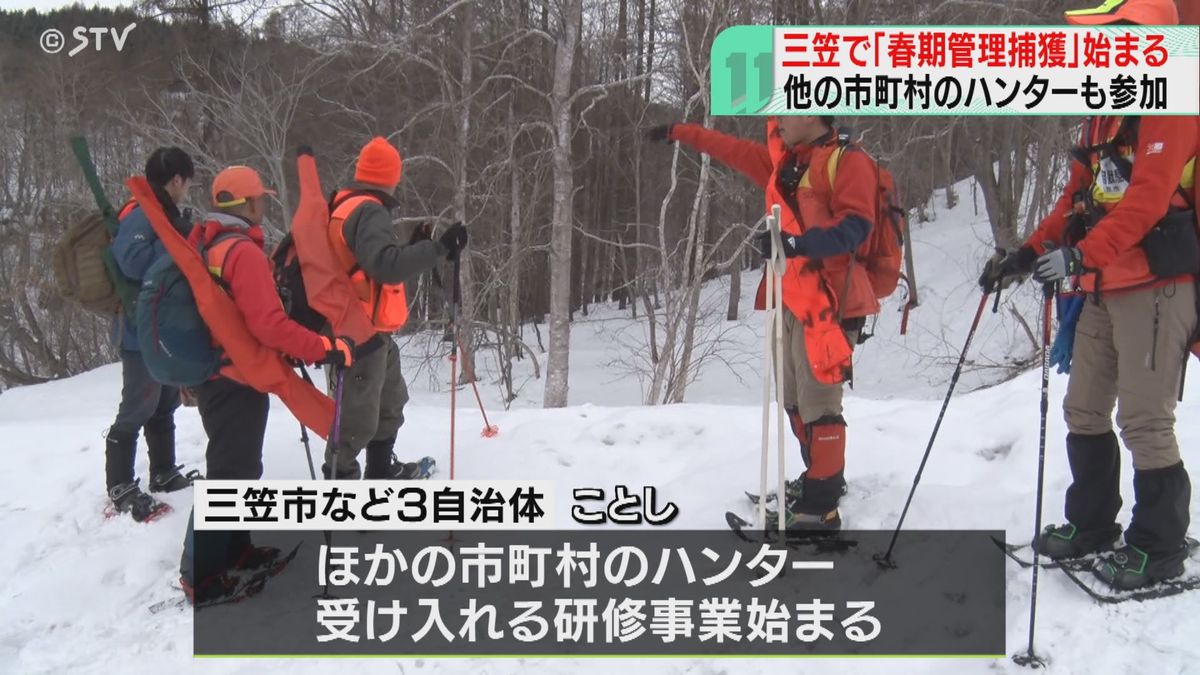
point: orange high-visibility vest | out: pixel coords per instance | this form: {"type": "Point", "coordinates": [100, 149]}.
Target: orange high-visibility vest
{"type": "Point", "coordinates": [385, 304]}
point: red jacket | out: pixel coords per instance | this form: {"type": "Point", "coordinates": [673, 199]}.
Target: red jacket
{"type": "Point", "coordinates": [1165, 145]}
{"type": "Point", "coordinates": [244, 270]}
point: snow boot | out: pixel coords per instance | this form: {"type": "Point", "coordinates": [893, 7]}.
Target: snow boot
{"type": "Point", "coordinates": [172, 480]}
{"type": "Point", "coordinates": [1156, 543]}
{"type": "Point", "coordinates": [255, 558]}
{"type": "Point", "coordinates": [159, 434]}
{"type": "Point", "coordinates": [342, 474]}
{"type": "Point", "coordinates": [211, 588]}
{"type": "Point", "coordinates": [1067, 542]}
{"type": "Point", "coordinates": [120, 447]}
{"type": "Point", "coordinates": [383, 465]}
{"type": "Point", "coordinates": [1129, 567]}
{"type": "Point", "coordinates": [129, 498]}
{"type": "Point", "coordinates": [1094, 497]}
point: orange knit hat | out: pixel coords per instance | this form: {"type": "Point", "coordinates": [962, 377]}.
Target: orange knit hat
{"type": "Point", "coordinates": [379, 164]}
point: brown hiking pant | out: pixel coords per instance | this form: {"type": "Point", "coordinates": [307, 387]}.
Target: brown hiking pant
{"type": "Point", "coordinates": [1129, 353]}
{"type": "Point", "coordinates": [801, 390]}
{"type": "Point", "coordinates": [373, 398]}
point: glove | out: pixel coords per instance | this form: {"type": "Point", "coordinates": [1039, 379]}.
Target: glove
{"type": "Point", "coordinates": [1006, 268]}
{"type": "Point", "coordinates": [339, 352]}
{"type": "Point", "coordinates": [422, 232]}
{"type": "Point", "coordinates": [1058, 264]}
{"type": "Point", "coordinates": [454, 239]}
{"type": "Point", "coordinates": [791, 245]}
{"type": "Point", "coordinates": [1069, 309]}
{"type": "Point", "coordinates": [660, 134]}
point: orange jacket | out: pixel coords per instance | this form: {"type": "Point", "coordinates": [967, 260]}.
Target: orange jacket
{"type": "Point", "coordinates": [1165, 146]}
{"type": "Point", "coordinates": [262, 367]}
{"type": "Point", "coordinates": [815, 209]}
{"type": "Point", "coordinates": [820, 292]}
{"type": "Point", "coordinates": [245, 273]}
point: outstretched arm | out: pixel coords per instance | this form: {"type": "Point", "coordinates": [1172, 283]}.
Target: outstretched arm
{"type": "Point", "coordinates": [749, 158]}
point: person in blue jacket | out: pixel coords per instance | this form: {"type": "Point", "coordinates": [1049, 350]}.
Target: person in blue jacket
{"type": "Point", "coordinates": [146, 406]}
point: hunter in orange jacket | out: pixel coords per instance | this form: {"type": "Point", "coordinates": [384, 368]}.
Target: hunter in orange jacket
{"type": "Point", "coordinates": [826, 293]}
{"type": "Point", "coordinates": [1125, 230]}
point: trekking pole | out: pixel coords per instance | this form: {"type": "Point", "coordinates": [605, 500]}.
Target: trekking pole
{"type": "Point", "coordinates": [312, 470]}
{"type": "Point", "coordinates": [454, 349]}
{"type": "Point", "coordinates": [760, 511]}
{"type": "Point", "coordinates": [335, 436]}
{"type": "Point", "coordinates": [489, 430]}
{"type": "Point", "coordinates": [778, 267]}
{"type": "Point", "coordinates": [1030, 659]}
{"type": "Point", "coordinates": [885, 559]}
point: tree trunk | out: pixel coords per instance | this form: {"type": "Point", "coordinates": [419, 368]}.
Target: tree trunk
{"type": "Point", "coordinates": [735, 291]}
{"type": "Point", "coordinates": [563, 214]}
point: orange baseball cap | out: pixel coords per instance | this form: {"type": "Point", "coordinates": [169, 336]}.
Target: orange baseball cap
{"type": "Point", "coordinates": [1140, 12]}
{"type": "Point", "coordinates": [235, 185]}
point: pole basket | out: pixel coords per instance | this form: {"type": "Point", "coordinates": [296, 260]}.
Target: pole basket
{"type": "Point", "coordinates": [490, 431]}
{"type": "Point", "coordinates": [1028, 660]}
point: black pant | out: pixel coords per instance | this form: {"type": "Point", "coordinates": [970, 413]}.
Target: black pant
{"type": "Point", "coordinates": [235, 418]}
{"type": "Point", "coordinates": [144, 404]}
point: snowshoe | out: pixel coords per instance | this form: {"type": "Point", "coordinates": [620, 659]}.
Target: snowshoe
{"type": "Point", "coordinates": [1130, 568]}
{"type": "Point", "coordinates": [129, 498]}
{"type": "Point", "coordinates": [172, 480]}
{"type": "Point", "coordinates": [1066, 542]}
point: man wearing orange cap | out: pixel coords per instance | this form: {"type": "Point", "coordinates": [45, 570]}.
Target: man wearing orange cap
{"type": "Point", "coordinates": [379, 260]}
{"type": "Point", "coordinates": [1132, 182]}
{"type": "Point", "coordinates": [233, 413]}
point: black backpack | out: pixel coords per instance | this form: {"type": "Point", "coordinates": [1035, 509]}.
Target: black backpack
{"type": "Point", "coordinates": [289, 283]}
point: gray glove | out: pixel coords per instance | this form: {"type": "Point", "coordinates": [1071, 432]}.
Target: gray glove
{"type": "Point", "coordinates": [1058, 265]}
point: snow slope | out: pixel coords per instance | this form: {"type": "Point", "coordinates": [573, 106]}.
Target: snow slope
{"type": "Point", "coordinates": [76, 586]}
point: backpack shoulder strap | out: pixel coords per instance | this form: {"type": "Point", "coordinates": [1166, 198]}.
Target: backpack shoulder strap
{"type": "Point", "coordinates": [342, 208]}
{"type": "Point", "coordinates": [217, 251]}
{"type": "Point", "coordinates": [844, 145]}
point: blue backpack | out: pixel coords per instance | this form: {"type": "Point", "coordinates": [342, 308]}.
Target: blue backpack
{"type": "Point", "coordinates": [177, 347]}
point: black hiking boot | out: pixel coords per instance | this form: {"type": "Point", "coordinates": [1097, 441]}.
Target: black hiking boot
{"type": "Point", "coordinates": [1067, 542]}
{"type": "Point", "coordinates": [342, 474]}
{"type": "Point", "coordinates": [172, 480]}
{"type": "Point", "coordinates": [383, 465]}
{"type": "Point", "coordinates": [795, 487]}
{"type": "Point", "coordinates": [255, 558]}
{"type": "Point", "coordinates": [1129, 567]}
{"type": "Point", "coordinates": [129, 498]}
{"type": "Point", "coordinates": [208, 589]}
{"type": "Point", "coordinates": [1156, 541]}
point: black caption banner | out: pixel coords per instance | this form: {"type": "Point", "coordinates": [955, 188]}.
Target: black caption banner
{"type": "Point", "coordinates": [618, 592]}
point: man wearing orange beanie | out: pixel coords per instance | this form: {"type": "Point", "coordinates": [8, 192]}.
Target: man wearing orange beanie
{"type": "Point", "coordinates": [379, 260]}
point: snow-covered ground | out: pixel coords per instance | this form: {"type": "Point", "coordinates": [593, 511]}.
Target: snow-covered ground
{"type": "Point", "coordinates": [76, 587]}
